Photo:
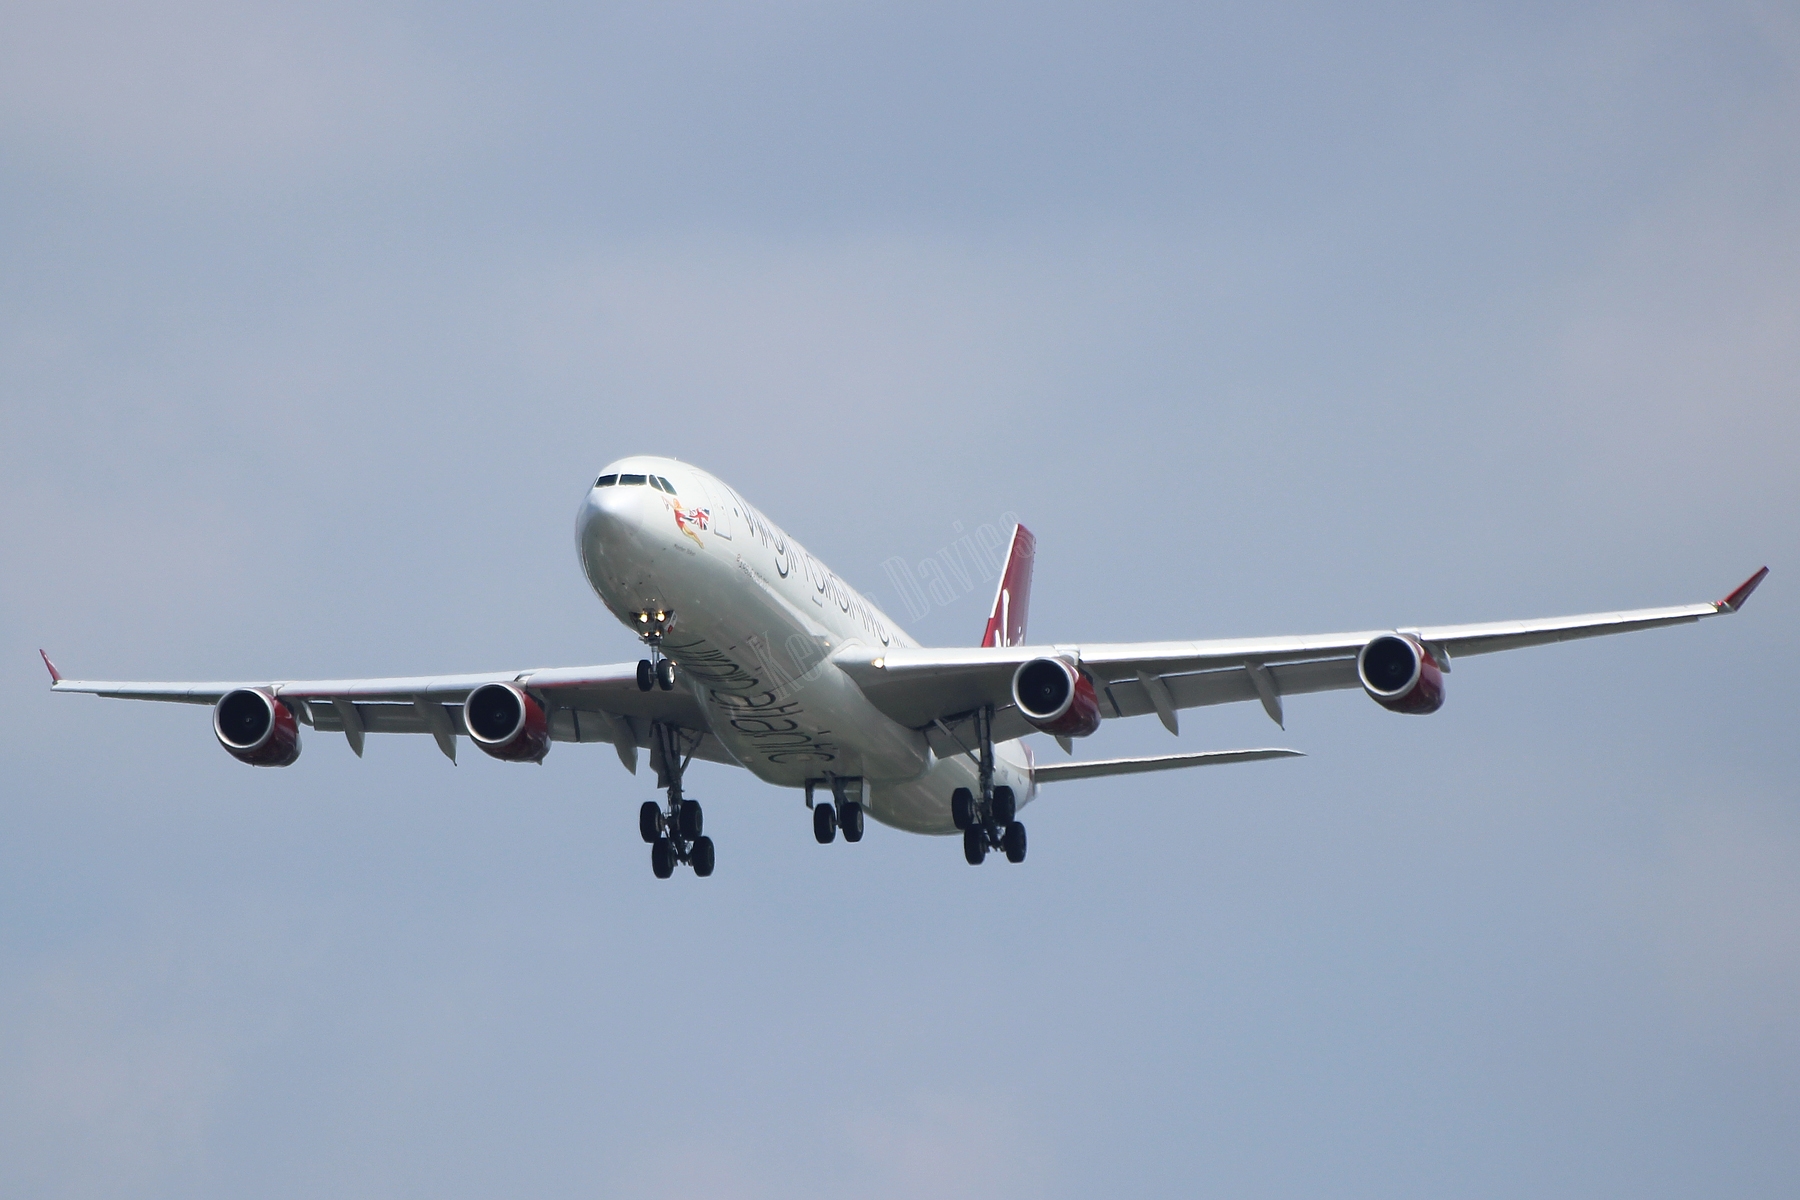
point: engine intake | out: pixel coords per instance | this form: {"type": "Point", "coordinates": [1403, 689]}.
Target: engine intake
{"type": "Point", "coordinates": [256, 728]}
{"type": "Point", "coordinates": [1400, 674]}
{"type": "Point", "coordinates": [506, 722]}
{"type": "Point", "coordinates": [1056, 698]}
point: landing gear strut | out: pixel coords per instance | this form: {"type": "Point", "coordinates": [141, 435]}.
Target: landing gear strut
{"type": "Point", "coordinates": [988, 821]}
{"type": "Point", "coordinates": [674, 834]}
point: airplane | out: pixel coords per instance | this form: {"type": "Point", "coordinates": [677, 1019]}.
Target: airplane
{"type": "Point", "coordinates": [759, 656]}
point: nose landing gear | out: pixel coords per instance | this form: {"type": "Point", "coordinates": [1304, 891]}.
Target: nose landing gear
{"type": "Point", "coordinates": [655, 671]}
{"type": "Point", "coordinates": [674, 834]}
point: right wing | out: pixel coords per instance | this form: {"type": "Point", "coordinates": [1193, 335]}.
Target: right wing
{"type": "Point", "coordinates": [936, 689]}
{"type": "Point", "coordinates": [584, 704]}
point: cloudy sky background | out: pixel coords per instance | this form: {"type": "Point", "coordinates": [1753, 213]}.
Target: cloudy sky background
{"type": "Point", "coordinates": [318, 319]}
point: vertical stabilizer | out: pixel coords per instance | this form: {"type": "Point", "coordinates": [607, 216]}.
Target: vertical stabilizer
{"type": "Point", "coordinates": [1012, 602]}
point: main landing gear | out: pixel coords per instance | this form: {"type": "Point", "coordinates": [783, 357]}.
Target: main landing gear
{"type": "Point", "coordinates": [988, 821]}
{"type": "Point", "coordinates": [847, 815]}
{"type": "Point", "coordinates": [675, 834]}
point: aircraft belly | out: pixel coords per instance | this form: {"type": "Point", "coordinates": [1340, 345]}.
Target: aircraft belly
{"type": "Point", "coordinates": [774, 701]}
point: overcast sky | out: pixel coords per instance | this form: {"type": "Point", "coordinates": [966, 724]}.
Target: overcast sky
{"type": "Point", "coordinates": [317, 321]}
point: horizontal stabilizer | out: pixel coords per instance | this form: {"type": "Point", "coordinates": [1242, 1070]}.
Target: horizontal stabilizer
{"type": "Point", "coordinates": [1056, 772]}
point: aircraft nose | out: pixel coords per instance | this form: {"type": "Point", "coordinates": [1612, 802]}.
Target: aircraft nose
{"type": "Point", "coordinates": [613, 523]}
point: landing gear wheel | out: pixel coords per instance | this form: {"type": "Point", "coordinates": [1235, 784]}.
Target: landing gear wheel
{"type": "Point", "coordinates": [1013, 842]}
{"type": "Point", "coordinates": [650, 821]}
{"type": "Point", "coordinates": [662, 858]}
{"type": "Point", "coordinates": [665, 675]}
{"type": "Point", "coordinates": [689, 819]}
{"type": "Point", "coordinates": [850, 820]}
{"type": "Point", "coordinates": [975, 846]}
{"type": "Point", "coordinates": [962, 808]}
{"type": "Point", "coordinates": [1004, 808]}
{"type": "Point", "coordinates": [702, 857]}
{"type": "Point", "coordinates": [646, 675]}
{"type": "Point", "coordinates": [824, 823]}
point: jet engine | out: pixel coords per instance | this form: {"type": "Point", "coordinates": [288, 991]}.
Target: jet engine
{"type": "Point", "coordinates": [1056, 698]}
{"type": "Point", "coordinates": [506, 722]}
{"type": "Point", "coordinates": [1400, 674]}
{"type": "Point", "coordinates": [257, 728]}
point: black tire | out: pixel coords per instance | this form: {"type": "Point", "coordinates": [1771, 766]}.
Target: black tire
{"type": "Point", "coordinates": [850, 820]}
{"type": "Point", "coordinates": [662, 858]}
{"type": "Point", "coordinates": [974, 846]}
{"type": "Point", "coordinates": [702, 857]}
{"type": "Point", "coordinates": [646, 675]}
{"type": "Point", "coordinates": [650, 821]}
{"type": "Point", "coordinates": [665, 674]}
{"type": "Point", "coordinates": [691, 819]}
{"type": "Point", "coordinates": [1004, 807]}
{"type": "Point", "coordinates": [962, 808]}
{"type": "Point", "coordinates": [824, 824]}
{"type": "Point", "coordinates": [1013, 842]}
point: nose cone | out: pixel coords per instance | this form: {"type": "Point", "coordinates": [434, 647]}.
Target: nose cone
{"type": "Point", "coordinates": [617, 534]}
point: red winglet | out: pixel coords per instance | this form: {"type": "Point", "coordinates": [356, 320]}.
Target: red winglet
{"type": "Point", "coordinates": [55, 675]}
{"type": "Point", "coordinates": [1736, 600]}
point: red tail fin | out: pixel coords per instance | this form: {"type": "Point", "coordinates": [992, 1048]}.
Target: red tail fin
{"type": "Point", "coordinates": [1012, 602]}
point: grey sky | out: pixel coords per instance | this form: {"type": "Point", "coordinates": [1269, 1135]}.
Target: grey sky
{"type": "Point", "coordinates": [317, 320]}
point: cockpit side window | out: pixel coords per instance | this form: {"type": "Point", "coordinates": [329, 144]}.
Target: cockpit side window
{"type": "Point", "coordinates": [666, 485]}
{"type": "Point", "coordinates": [606, 481]}
{"type": "Point", "coordinates": [656, 483]}
{"type": "Point", "coordinates": [631, 481]}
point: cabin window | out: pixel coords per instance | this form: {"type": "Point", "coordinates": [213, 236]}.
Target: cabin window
{"type": "Point", "coordinates": [606, 481]}
{"type": "Point", "coordinates": [631, 481]}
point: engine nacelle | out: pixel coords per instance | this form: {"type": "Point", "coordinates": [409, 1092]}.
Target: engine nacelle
{"type": "Point", "coordinates": [1400, 674]}
{"type": "Point", "coordinates": [1056, 698]}
{"type": "Point", "coordinates": [506, 722]}
{"type": "Point", "coordinates": [256, 728]}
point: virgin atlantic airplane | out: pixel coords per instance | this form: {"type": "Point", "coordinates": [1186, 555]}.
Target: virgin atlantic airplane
{"type": "Point", "coordinates": [761, 657]}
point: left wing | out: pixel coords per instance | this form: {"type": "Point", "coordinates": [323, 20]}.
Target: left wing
{"type": "Point", "coordinates": [583, 704]}
{"type": "Point", "coordinates": [924, 688]}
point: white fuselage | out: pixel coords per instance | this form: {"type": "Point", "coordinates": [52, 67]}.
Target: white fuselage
{"type": "Point", "coordinates": [753, 621]}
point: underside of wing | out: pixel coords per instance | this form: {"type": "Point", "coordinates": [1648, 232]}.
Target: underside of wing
{"type": "Point", "coordinates": [936, 689]}
{"type": "Point", "coordinates": [579, 704]}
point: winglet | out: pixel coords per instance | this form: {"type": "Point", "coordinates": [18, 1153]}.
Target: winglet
{"type": "Point", "coordinates": [1730, 603]}
{"type": "Point", "coordinates": [55, 675]}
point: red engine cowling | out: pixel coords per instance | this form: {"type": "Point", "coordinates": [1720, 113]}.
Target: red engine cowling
{"type": "Point", "coordinates": [1400, 674]}
{"type": "Point", "coordinates": [1056, 698]}
{"type": "Point", "coordinates": [256, 728]}
{"type": "Point", "coordinates": [506, 722]}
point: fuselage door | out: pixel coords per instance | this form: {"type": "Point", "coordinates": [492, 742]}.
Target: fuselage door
{"type": "Point", "coordinates": [724, 507]}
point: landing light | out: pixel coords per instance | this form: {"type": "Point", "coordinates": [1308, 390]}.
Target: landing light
{"type": "Point", "coordinates": [661, 615]}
